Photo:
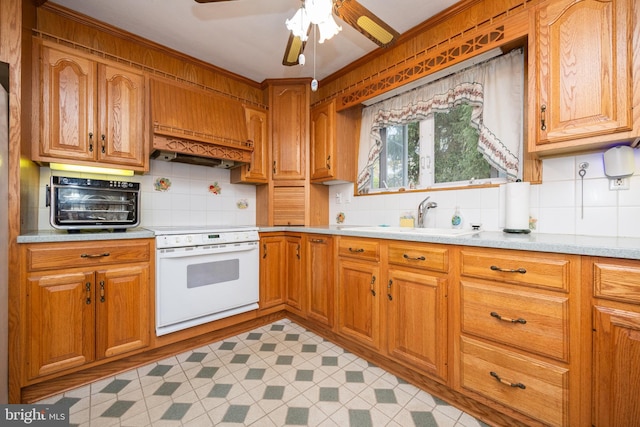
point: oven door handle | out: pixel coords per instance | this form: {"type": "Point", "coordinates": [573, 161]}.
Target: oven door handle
{"type": "Point", "coordinates": [205, 250]}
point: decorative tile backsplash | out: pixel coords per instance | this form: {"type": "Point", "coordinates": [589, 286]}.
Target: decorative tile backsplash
{"type": "Point", "coordinates": [555, 205]}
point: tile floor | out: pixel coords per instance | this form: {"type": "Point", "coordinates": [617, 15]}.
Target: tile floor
{"type": "Point", "coordinates": [277, 375]}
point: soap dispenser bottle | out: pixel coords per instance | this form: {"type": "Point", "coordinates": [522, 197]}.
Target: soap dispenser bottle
{"type": "Point", "coordinates": [456, 219]}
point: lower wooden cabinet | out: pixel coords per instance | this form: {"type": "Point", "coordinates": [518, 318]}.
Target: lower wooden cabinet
{"type": "Point", "coordinates": [319, 266]}
{"type": "Point", "coordinates": [272, 272]}
{"type": "Point", "coordinates": [92, 306]}
{"type": "Point", "coordinates": [294, 284]}
{"type": "Point", "coordinates": [616, 342]}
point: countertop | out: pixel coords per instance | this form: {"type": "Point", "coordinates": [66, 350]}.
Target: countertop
{"type": "Point", "coordinates": [614, 247]}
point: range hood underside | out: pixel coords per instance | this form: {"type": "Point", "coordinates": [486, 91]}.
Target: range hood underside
{"type": "Point", "coordinates": [183, 150]}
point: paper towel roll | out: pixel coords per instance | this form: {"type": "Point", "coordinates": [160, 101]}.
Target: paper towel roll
{"type": "Point", "coordinates": [516, 216]}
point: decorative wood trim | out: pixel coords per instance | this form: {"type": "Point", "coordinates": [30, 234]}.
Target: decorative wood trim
{"type": "Point", "coordinates": [215, 150]}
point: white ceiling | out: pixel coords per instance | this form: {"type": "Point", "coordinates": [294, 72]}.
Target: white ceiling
{"type": "Point", "coordinates": [248, 37]}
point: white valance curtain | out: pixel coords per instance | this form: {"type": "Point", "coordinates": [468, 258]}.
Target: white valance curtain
{"type": "Point", "coordinates": [494, 89]}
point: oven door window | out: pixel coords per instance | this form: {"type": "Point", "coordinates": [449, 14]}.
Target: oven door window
{"type": "Point", "coordinates": [210, 273]}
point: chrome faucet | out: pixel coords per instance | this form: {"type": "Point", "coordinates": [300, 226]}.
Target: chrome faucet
{"type": "Point", "coordinates": [423, 208]}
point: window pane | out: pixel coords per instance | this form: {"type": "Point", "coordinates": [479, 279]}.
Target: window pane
{"type": "Point", "coordinates": [456, 155]}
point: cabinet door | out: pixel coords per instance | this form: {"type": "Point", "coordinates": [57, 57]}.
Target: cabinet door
{"type": "Point", "coordinates": [294, 284]}
{"type": "Point", "coordinates": [358, 301]}
{"type": "Point", "coordinates": [272, 271]}
{"type": "Point", "coordinates": [122, 301]}
{"type": "Point", "coordinates": [417, 326]}
{"type": "Point", "coordinates": [583, 69]}
{"type": "Point", "coordinates": [616, 367]}
{"type": "Point", "coordinates": [289, 112]}
{"type": "Point", "coordinates": [121, 111]}
{"type": "Point", "coordinates": [60, 322]}
{"type": "Point", "coordinates": [257, 170]}
{"type": "Point", "coordinates": [319, 278]}
{"type": "Point", "coordinates": [67, 106]}
{"type": "Point", "coordinates": [322, 141]}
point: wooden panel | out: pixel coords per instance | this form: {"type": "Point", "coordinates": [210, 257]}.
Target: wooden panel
{"type": "Point", "coordinates": [289, 205]}
{"type": "Point", "coordinates": [537, 323]}
{"type": "Point", "coordinates": [122, 117]}
{"type": "Point", "coordinates": [428, 257]}
{"type": "Point", "coordinates": [319, 278]}
{"type": "Point", "coordinates": [616, 367]}
{"type": "Point", "coordinates": [617, 280]}
{"type": "Point", "coordinates": [366, 249]}
{"type": "Point", "coordinates": [122, 301]}
{"type": "Point", "coordinates": [60, 322]}
{"type": "Point", "coordinates": [47, 256]}
{"type": "Point", "coordinates": [537, 389]}
{"type": "Point", "coordinates": [536, 269]}
{"type": "Point", "coordinates": [417, 321]}
{"type": "Point", "coordinates": [289, 110]}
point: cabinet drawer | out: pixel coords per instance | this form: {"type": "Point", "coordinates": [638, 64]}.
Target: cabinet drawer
{"type": "Point", "coordinates": [619, 281]}
{"type": "Point", "coordinates": [534, 322]}
{"type": "Point", "coordinates": [537, 389]}
{"type": "Point", "coordinates": [62, 255]}
{"type": "Point", "coordinates": [359, 248]}
{"type": "Point", "coordinates": [550, 271]}
{"type": "Point", "coordinates": [419, 256]}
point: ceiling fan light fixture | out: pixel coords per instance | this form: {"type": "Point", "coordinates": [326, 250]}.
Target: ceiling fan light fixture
{"type": "Point", "coordinates": [299, 24]}
{"type": "Point", "coordinates": [316, 12]}
{"type": "Point", "coordinates": [328, 28]}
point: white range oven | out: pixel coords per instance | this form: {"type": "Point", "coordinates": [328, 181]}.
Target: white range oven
{"type": "Point", "coordinates": [204, 274]}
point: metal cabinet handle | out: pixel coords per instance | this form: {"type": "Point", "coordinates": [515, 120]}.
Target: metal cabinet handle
{"type": "Point", "coordinates": [373, 281]}
{"type": "Point", "coordinates": [509, 270]}
{"type": "Point", "coordinates": [509, 383]}
{"type": "Point", "coordinates": [507, 319]}
{"type": "Point", "coordinates": [103, 143]}
{"type": "Point", "coordinates": [317, 240]}
{"type": "Point", "coordinates": [389, 290]}
{"type": "Point", "coordinates": [417, 258]}
{"type": "Point", "coordinates": [102, 255]}
{"type": "Point", "coordinates": [543, 115]}
{"type": "Point", "coordinates": [264, 250]}
{"type": "Point", "coordinates": [329, 162]}
{"type": "Point", "coordinates": [274, 167]}
{"type": "Point", "coordinates": [356, 251]}
{"type": "Point", "coordinates": [102, 291]}
{"type": "Point", "coordinates": [91, 141]}
{"type": "Point", "coordinates": [88, 291]}
{"type": "Point", "coordinates": [298, 251]}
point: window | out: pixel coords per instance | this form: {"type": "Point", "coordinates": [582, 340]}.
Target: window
{"type": "Point", "coordinates": [461, 129]}
{"type": "Point", "coordinates": [441, 149]}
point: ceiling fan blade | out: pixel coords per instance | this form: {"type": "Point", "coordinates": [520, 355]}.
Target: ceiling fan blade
{"type": "Point", "coordinates": [295, 47]}
{"type": "Point", "coordinates": [363, 20]}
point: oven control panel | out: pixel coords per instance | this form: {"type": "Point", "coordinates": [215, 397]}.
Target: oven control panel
{"type": "Point", "coordinates": [201, 239]}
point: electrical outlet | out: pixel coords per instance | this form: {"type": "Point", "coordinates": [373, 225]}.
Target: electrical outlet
{"type": "Point", "coordinates": [619, 184]}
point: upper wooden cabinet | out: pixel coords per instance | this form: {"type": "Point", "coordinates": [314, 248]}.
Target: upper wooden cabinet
{"type": "Point", "coordinates": [334, 139]}
{"type": "Point", "coordinates": [256, 171]}
{"type": "Point", "coordinates": [581, 75]}
{"type": "Point", "coordinates": [289, 109]}
{"type": "Point", "coordinates": [89, 112]}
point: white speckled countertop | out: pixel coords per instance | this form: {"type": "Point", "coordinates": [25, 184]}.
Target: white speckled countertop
{"type": "Point", "coordinates": [43, 236]}
{"type": "Point", "coordinates": [614, 247]}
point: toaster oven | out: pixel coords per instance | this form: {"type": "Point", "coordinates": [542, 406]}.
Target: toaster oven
{"type": "Point", "coordinates": [85, 203]}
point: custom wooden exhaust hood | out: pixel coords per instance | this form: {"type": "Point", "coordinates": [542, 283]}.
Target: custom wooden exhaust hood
{"type": "Point", "coordinates": [194, 122]}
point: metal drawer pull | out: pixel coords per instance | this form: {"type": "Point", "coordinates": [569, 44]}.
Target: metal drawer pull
{"type": "Point", "coordinates": [102, 291]}
{"type": "Point", "coordinates": [88, 290]}
{"type": "Point", "coordinates": [389, 290]}
{"type": "Point", "coordinates": [317, 240]}
{"type": "Point", "coordinates": [357, 251]}
{"type": "Point", "coordinates": [417, 258]}
{"type": "Point", "coordinates": [507, 270]}
{"type": "Point", "coordinates": [95, 255]}
{"type": "Point", "coordinates": [506, 319]}
{"type": "Point", "coordinates": [373, 281]}
{"type": "Point", "coordinates": [510, 384]}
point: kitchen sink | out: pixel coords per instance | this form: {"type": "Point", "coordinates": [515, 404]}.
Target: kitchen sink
{"type": "Point", "coordinates": [418, 231]}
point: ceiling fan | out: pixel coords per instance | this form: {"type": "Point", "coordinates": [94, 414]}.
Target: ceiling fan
{"type": "Point", "coordinates": [351, 12]}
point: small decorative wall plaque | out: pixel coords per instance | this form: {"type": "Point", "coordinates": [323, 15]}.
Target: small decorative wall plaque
{"type": "Point", "coordinates": [162, 184]}
{"type": "Point", "coordinates": [215, 188]}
